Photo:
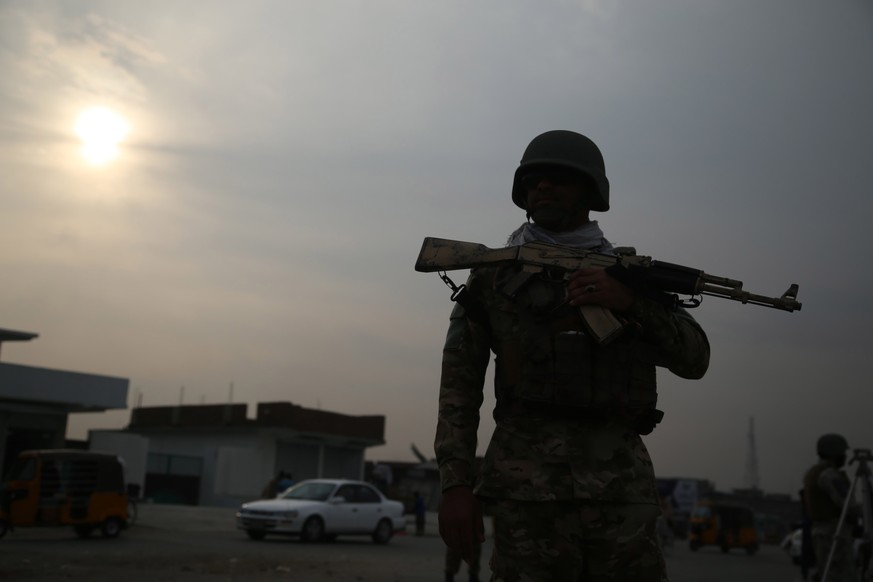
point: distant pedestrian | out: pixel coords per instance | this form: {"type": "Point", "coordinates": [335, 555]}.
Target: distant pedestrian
{"type": "Point", "coordinates": [286, 480]}
{"type": "Point", "coordinates": [420, 510]}
{"type": "Point", "coordinates": [269, 490]}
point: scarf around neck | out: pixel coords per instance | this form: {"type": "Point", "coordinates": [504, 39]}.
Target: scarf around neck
{"type": "Point", "coordinates": [587, 236]}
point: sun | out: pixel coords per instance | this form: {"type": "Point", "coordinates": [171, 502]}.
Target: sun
{"type": "Point", "coordinates": [101, 130]}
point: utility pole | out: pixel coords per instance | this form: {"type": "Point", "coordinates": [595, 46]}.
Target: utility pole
{"type": "Point", "coordinates": [753, 479]}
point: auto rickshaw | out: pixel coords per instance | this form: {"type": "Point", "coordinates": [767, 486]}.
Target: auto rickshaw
{"type": "Point", "coordinates": [59, 487]}
{"type": "Point", "coordinates": [723, 524]}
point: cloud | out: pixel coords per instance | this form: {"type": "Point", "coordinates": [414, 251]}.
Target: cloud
{"type": "Point", "coordinates": [85, 55]}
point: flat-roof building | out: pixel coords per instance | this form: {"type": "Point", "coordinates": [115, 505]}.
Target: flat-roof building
{"type": "Point", "coordinates": [35, 402]}
{"type": "Point", "coordinates": [216, 455]}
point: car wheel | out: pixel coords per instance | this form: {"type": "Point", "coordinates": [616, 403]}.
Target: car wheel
{"type": "Point", "coordinates": [3, 527]}
{"type": "Point", "coordinates": [256, 534]}
{"type": "Point", "coordinates": [313, 529]}
{"type": "Point", "coordinates": [111, 527]}
{"type": "Point", "coordinates": [384, 531]}
{"type": "Point", "coordinates": [83, 531]}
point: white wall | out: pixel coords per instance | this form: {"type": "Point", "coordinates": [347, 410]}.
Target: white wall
{"type": "Point", "coordinates": [238, 463]}
{"type": "Point", "coordinates": [239, 472]}
{"type": "Point", "coordinates": [223, 484]}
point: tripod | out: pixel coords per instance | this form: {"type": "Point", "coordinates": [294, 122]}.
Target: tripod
{"type": "Point", "coordinates": [862, 474]}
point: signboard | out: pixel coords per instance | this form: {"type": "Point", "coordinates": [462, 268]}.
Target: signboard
{"type": "Point", "coordinates": [685, 494]}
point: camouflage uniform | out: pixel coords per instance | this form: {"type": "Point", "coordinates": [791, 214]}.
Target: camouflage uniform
{"type": "Point", "coordinates": [566, 476]}
{"type": "Point", "coordinates": [825, 490]}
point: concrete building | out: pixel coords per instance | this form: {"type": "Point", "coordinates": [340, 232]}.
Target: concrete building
{"type": "Point", "coordinates": [215, 455]}
{"type": "Point", "coordinates": [206, 455]}
{"type": "Point", "coordinates": [35, 402]}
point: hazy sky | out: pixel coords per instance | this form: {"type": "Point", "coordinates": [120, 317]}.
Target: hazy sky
{"type": "Point", "coordinates": [284, 161]}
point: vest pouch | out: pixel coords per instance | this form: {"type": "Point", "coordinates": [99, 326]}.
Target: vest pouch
{"type": "Point", "coordinates": [628, 385]}
{"type": "Point", "coordinates": [612, 376]}
{"type": "Point", "coordinates": [558, 373]}
{"type": "Point", "coordinates": [646, 422]}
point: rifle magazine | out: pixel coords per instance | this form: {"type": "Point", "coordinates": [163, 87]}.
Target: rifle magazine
{"type": "Point", "coordinates": [601, 323]}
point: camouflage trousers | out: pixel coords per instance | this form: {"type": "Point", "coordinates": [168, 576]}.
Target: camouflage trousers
{"type": "Point", "coordinates": [574, 542]}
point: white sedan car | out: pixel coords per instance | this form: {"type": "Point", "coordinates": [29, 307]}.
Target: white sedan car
{"type": "Point", "coordinates": [319, 509]}
{"type": "Point", "coordinates": [793, 545]}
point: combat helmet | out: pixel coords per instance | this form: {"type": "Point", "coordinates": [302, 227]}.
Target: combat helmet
{"type": "Point", "coordinates": [831, 445]}
{"type": "Point", "coordinates": [566, 149]}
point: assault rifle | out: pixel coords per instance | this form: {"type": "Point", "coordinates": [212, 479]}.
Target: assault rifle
{"type": "Point", "coordinates": [655, 279]}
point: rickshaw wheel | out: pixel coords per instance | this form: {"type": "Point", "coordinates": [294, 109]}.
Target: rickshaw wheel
{"type": "Point", "coordinates": [111, 527]}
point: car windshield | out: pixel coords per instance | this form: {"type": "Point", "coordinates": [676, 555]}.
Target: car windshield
{"type": "Point", "coordinates": [310, 491]}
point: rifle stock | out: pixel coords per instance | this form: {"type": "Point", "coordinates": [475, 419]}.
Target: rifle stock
{"type": "Point", "coordinates": [639, 272]}
{"type": "Point", "coordinates": [442, 254]}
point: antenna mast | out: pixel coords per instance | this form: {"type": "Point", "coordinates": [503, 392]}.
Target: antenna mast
{"type": "Point", "coordinates": [753, 479]}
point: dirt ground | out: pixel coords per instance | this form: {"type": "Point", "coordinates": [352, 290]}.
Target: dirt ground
{"type": "Point", "coordinates": [192, 553]}
{"type": "Point", "coordinates": [176, 544]}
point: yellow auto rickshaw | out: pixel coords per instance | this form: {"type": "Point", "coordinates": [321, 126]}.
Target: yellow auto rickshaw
{"type": "Point", "coordinates": [59, 487]}
{"type": "Point", "coordinates": [724, 524]}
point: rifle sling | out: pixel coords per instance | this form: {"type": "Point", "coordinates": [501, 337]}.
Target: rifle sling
{"type": "Point", "coordinates": [460, 295]}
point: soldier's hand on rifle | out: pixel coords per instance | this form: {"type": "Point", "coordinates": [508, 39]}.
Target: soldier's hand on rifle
{"type": "Point", "coordinates": [594, 286]}
{"type": "Point", "coordinates": [460, 520]}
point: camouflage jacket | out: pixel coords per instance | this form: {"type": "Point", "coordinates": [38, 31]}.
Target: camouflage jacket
{"type": "Point", "coordinates": [536, 454]}
{"type": "Point", "coordinates": [825, 490]}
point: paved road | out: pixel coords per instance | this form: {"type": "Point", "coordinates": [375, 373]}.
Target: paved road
{"type": "Point", "coordinates": [195, 545]}
{"type": "Point", "coordinates": [770, 564]}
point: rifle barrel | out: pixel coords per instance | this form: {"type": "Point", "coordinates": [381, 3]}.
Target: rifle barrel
{"type": "Point", "coordinates": [784, 303]}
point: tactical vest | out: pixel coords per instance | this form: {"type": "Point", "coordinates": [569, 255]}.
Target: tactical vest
{"type": "Point", "coordinates": [819, 505]}
{"type": "Point", "coordinates": [547, 363]}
